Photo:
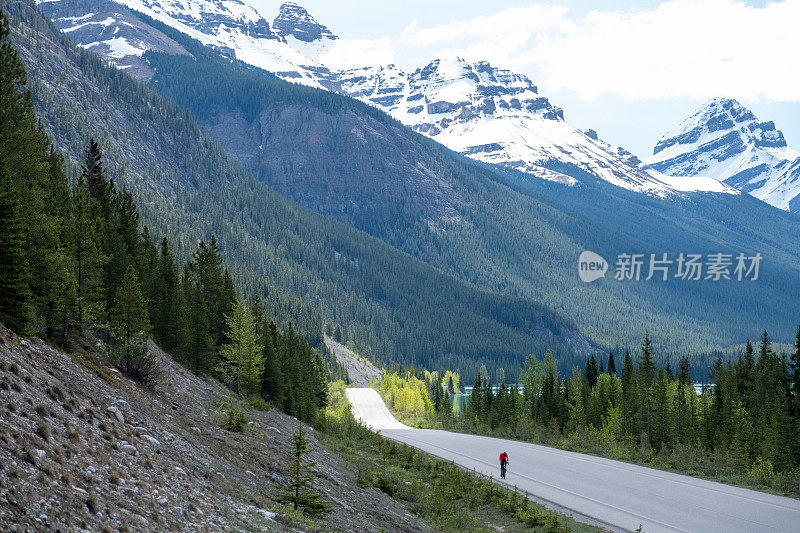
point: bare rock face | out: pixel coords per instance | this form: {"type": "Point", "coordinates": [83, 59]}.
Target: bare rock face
{"type": "Point", "coordinates": [299, 151]}
{"type": "Point", "coordinates": [294, 20]}
{"type": "Point", "coordinates": [112, 31]}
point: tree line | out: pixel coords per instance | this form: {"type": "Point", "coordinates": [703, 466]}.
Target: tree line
{"type": "Point", "coordinates": [76, 266]}
{"type": "Point", "coordinates": [744, 422]}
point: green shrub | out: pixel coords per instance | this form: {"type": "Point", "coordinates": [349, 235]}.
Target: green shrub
{"type": "Point", "coordinates": [258, 403]}
{"type": "Point", "coordinates": [233, 418]}
{"type": "Point", "coordinates": [762, 472]}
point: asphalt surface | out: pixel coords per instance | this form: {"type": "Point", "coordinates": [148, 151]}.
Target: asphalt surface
{"type": "Point", "coordinates": [614, 494]}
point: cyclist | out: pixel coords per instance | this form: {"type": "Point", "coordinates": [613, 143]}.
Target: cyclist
{"type": "Point", "coordinates": [503, 464]}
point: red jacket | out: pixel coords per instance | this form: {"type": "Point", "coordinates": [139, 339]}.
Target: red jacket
{"type": "Point", "coordinates": [503, 457]}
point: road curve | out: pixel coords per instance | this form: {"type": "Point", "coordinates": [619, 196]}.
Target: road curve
{"type": "Point", "coordinates": [621, 495]}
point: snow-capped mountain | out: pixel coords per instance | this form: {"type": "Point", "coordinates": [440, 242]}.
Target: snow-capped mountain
{"type": "Point", "coordinates": [724, 140]}
{"type": "Point", "coordinates": [231, 26]}
{"type": "Point", "coordinates": [301, 31]}
{"type": "Point", "coordinates": [499, 117]}
{"type": "Point", "coordinates": [488, 114]}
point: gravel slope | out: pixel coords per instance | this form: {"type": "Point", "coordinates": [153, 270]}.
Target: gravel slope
{"type": "Point", "coordinates": [80, 452]}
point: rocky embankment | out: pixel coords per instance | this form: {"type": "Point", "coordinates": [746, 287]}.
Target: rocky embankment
{"type": "Point", "coordinates": [84, 448]}
{"type": "Point", "coordinates": [360, 370]}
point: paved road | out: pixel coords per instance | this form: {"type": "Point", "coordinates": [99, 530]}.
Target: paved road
{"type": "Point", "coordinates": [620, 495]}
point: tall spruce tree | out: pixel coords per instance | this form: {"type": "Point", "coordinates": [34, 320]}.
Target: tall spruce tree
{"type": "Point", "coordinates": [795, 370]}
{"type": "Point", "coordinates": [89, 259]}
{"type": "Point", "coordinates": [129, 326]}
{"type": "Point", "coordinates": [646, 376]}
{"type": "Point", "coordinates": [591, 371]}
{"type": "Point", "coordinates": [94, 175]}
{"type": "Point", "coordinates": [196, 349]}
{"type": "Point", "coordinates": [612, 365]}
{"type": "Point", "coordinates": [15, 294]}
{"type": "Point", "coordinates": [167, 312]}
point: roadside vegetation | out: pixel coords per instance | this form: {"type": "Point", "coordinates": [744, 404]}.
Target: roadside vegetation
{"type": "Point", "coordinates": [742, 430]}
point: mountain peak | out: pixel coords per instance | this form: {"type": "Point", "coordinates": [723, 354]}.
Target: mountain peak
{"type": "Point", "coordinates": [722, 116]}
{"type": "Point", "coordinates": [723, 139]}
{"type": "Point", "coordinates": [294, 20]}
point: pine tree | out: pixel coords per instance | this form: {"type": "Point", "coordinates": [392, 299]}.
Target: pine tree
{"type": "Point", "coordinates": [148, 267]}
{"type": "Point", "coordinates": [612, 365]}
{"type": "Point", "coordinates": [196, 344]}
{"type": "Point", "coordinates": [241, 363]}
{"type": "Point", "coordinates": [684, 372]}
{"type": "Point", "coordinates": [15, 294]}
{"type": "Point", "coordinates": [129, 325]}
{"type": "Point", "coordinates": [646, 376]}
{"type": "Point", "coordinates": [206, 265]}
{"type": "Point", "coordinates": [167, 327]}
{"type": "Point", "coordinates": [63, 320]}
{"type": "Point", "coordinates": [591, 371]}
{"type": "Point", "coordinates": [94, 176]}
{"type": "Point", "coordinates": [795, 369]}
{"type": "Point", "coordinates": [89, 259]}
{"type": "Point", "coordinates": [661, 426]}
{"type": "Point", "coordinates": [298, 492]}
{"type": "Point", "coordinates": [629, 396]}
{"type": "Point", "coordinates": [272, 381]}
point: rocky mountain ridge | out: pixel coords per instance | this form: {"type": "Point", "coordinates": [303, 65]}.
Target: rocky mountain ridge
{"type": "Point", "coordinates": [724, 140]}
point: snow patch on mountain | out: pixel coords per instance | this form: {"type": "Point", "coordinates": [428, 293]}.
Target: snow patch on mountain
{"type": "Point", "coordinates": [499, 117]}
{"type": "Point", "coordinates": [724, 140]}
{"type": "Point", "coordinates": [230, 26]}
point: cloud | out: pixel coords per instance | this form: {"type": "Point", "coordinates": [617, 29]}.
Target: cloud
{"type": "Point", "coordinates": [682, 48]}
{"type": "Point", "coordinates": [349, 53]}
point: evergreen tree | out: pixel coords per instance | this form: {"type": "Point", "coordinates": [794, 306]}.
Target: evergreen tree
{"type": "Point", "coordinates": [746, 373]}
{"type": "Point", "coordinates": [272, 382]}
{"type": "Point", "coordinates": [207, 267]}
{"type": "Point", "coordinates": [591, 371]}
{"type": "Point", "coordinates": [196, 344]}
{"type": "Point", "coordinates": [241, 363]}
{"type": "Point", "coordinates": [629, 396]}
{"type": "Point", "coordinates": [94, 175]}
{"type": "Point", "coordinates": [646, 376]}
{"type": "Point", "coordinates": [661, 419]}
{"type": "Point", "coordinates": [684, 373]}
{"type": "Point", "coordinates": [795, 368]}
{"type": "Point", "coordinates": [167, 327]}
{"type": "Point", "coordinates": [129, 325]}
{"type": "Point", "coordinates": [63, 319]}
{"type": "Point", "coordinates": [15, 294]}
{"type": "Point", "coordinates": [89, 259]}
{"type": "Point", "coordinates": [298, 492]}
{"type": "Point", "coordinates": [612, 365]}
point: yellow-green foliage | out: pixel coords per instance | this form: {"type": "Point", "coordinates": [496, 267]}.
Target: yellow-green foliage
{"type": "Point", "coordinates": [338, 405]}
{"type": "Point", "coordinates": [454, 378]}
{"type": "Point", "coordinates": [407, 395]}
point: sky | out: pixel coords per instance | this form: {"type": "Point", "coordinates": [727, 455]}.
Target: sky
{"type": "Point", "coordinates": [630, 70]}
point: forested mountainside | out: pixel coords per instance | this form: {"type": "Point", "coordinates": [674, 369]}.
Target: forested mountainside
{"type": "Point", "coordinates": [507, 232]}
{"type": "Point", "coordinates": [311, 271]}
